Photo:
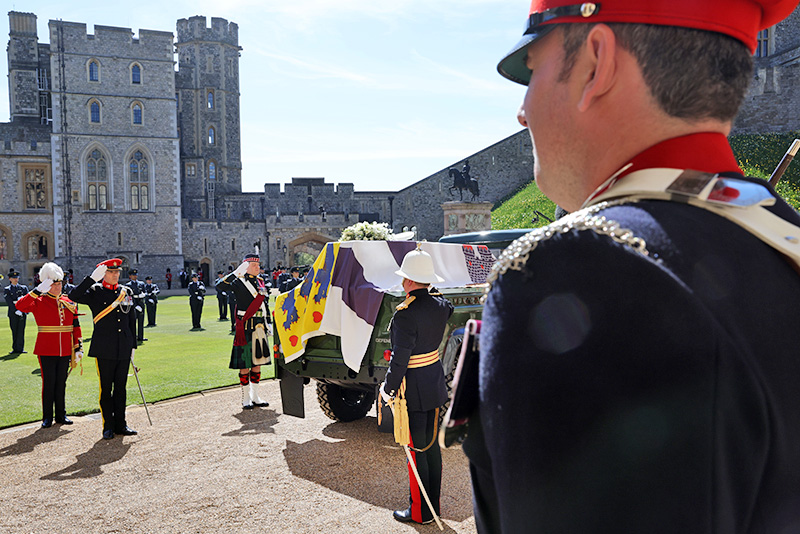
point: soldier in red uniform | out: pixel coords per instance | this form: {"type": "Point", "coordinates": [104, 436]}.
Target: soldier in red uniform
{"type": "Point", "coordinates": [58, 342]}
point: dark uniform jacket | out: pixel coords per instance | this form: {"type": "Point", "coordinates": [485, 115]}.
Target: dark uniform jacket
{"type": "Point", "coordinates": [196, 291]}
{"type": "Point", "coordinates": [241, 295]}
{"type": "Point", "coordinates": [137, 289]}
{"type": "Point", "coordinates": [418, 329]}
{"type": "Point", "coordinates": [151, 291]}
{"type": "Point", "coordinates": [114, 335]}
{"type": "Point", "coordinates": [628, 393]}
{"type": "Point", "coordinates": [12, 294]}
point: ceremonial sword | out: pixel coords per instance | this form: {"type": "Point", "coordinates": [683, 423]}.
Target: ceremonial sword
{"type": "Point", "coordinates": [136, 374]}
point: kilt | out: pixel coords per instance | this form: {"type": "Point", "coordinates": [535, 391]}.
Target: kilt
{"type": "Point", "coordinates": [242, 357]}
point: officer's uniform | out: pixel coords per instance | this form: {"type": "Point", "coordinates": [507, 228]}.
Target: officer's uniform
{"type": "Point", "coordinates": [196, 295]}
{"type": "Point", "coordinates": [16, 321]}
{"type": "Point", "coordinates": [137, 290]}
{"type": "Point", "coordinates": [59, 336]}
{"type": "Point", "coordinates": [638, 414]}
{"type": "Point", "coordinates": [113, 340]}
{"type": "Point", "coordinates": [222, 297]}
{"type": "Point", "coordinates": [252, 320]}
{"type": "Point", "coordinates": [416, 332]}
{"type": "Point", "coordinates": [151, 292]}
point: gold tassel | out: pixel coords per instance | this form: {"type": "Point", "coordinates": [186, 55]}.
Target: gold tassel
{"type": "Point", "coordinates": [402, 431]}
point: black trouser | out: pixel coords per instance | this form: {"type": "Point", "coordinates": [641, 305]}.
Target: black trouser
{"type": "Point", "coordinates": [113, 379]}
{"type": "Point", "coordinates": [429, 464]}
{"type": "Point", "coordinates": [223, 307]}
{"type": "Point", "coordinates": [54, 384]}
{"type": "Point", "coordinates": [233, 315]}
{"type": "Point", "coordinates": [151, 312]}
{"type": "Point", "coordinates": [139, 320]}
{"type": "Point", "coordinates": [17, 324]}
{"type": "Point", "coordinates": [197, 310]}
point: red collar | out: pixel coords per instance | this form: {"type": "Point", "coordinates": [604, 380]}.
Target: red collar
{"type": "Point", "coordinates": [704, 152]}
{"type": "Point", "coordinates": [109, 286]}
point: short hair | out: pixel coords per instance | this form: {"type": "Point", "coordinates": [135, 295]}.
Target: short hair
{"type": "Point", "coordinates": [692, 74]}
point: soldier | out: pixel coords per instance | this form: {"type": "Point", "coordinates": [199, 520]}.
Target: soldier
{"type": "Point", "coordinates": [293, 281]}
{"type": "Point", "coordinates": [16, 318]}
{"type": "Point", "coordinates": [638, 362]}
{"type": "Point", "coordinates": [251, 347]}
{"type": "Point", "coordinates": [58, 344]}
{"type": "Point", "coordinates": [137, 289]}
{"type": "Point", "coordinates": [196, 292]}
{"type": "Point", "coordinates": [113, 340]}
{"type": "Point", "coordinates": [168, 277]}
{"type": "Point", "coordinates": [151, 292]}
{"type": "Point", "coordinates": [222, 296]}
{"type": "Point", "coordinates": [416, 374]}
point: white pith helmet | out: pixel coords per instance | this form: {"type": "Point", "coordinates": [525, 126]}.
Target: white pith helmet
{"type": "Point", "coordinates": [51, 271]}
{"type": "Point", "coordinates": [418, 267]}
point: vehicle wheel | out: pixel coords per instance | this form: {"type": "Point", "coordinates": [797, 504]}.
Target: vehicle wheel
{"type": "Point", "coordinates": [344, 404]}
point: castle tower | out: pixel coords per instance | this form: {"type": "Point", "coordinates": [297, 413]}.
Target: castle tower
{"type": "Point", "coordinates": [28, 73]}
{"type": "Point", "coordinates": [207, 84]}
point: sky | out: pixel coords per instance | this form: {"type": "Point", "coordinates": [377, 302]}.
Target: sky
{"type": "Point", "coordinates": [378, 93]}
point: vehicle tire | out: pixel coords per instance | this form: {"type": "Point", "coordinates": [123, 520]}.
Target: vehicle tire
{"type": "Point", "coordinates": [344, 404]}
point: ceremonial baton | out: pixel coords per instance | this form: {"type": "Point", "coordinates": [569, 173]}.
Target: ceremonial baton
{"type": "Point", "coordinates": [136, 374]}
{"type": "Point", "coordinates": [419, 480]}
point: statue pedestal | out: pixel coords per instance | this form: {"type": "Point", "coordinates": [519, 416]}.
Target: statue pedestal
{"type": "Point", "coordinates": [461, 217]}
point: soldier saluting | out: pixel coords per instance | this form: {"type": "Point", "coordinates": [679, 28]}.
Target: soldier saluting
{"type": "Point", "coordinates": [416, 374]}
{"type": "Point", "coordinates": [113, 340]}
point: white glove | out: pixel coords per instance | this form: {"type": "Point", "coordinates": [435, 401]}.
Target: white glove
{"type": "Point", "coordinates": [150, 301]}
{"type": "Point", "coordinates": [44, 286]}
{"type": "Point", "coordinates": [78, 356]}
{"type": "Point", "coordinates": [98, 273]}
{"type": "Point", "coordinates": [241, 269]}
{"type": "Point", "coordinates": [385, 396]}
{"type": "Point", "coordinates": [138, 308]}
{"type": "Point", "coordinates": [18, 313]}
{"type": "Point", "coordinates": [199, 297]}
{"type": "Point", "coordinates": [133, 351]}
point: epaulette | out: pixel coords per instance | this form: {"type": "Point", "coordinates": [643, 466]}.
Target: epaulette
{"type": "Point", "coordinates": [435, 292]}
{"type": "Point", "coordinates": [403, 305]}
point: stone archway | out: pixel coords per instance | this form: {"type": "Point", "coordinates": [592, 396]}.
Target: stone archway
{"type": "Point", "coordinates": [306, 248]}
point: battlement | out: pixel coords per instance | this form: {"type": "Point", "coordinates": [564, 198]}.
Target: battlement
{"type": "Point", "coordinates": [113, 40]}
{"type": "Point", "coordinates": [196, 29]}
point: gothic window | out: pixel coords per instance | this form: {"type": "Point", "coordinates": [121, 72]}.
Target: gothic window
{"type": "Point", "coordinates": [191, 169]}
{"type": "Point", "coordinates": [139, 182]}
{"type": "Point", "coordinates": [211, 136]}
{"type": "Point", "coordinates": [94, 71]}
{"type": "Point", "coordinates": [35, 189]}
{"type": "Point", "coordinates": [37, 247]}
{"type": "Point", "coordinates": [94, 112]}
{"type": "Point", "coordinates": [762, 48]}
{"type": "Point", "coordinates": [3, 245]}
{"type": "Point", "coordinates": [210, 100]}
{"type": "Point", "coordinates": [97, 181]}
{"type": "Point", "coordinates": [137, 113]}
{"type": "Point", "coordinates": [212, 171]}
{"type": "Point", "coordinates": [136, 74]}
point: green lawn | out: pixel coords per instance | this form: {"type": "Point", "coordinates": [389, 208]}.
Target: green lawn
{"type": "Point", "coordinates": [173, 362]}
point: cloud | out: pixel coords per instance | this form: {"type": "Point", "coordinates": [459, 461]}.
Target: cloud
{"type": "Point", "coordinates": [308, 70]}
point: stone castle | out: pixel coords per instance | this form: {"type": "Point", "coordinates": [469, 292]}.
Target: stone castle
{"type": "Point", "coordinates": [112, 152]}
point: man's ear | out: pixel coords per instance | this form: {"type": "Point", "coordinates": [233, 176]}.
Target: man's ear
{"type": "Point", "coordinates": [598, 58]}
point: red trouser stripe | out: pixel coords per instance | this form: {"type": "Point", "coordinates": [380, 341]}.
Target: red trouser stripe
{"type": "Point", "coordinates": [416, 495]}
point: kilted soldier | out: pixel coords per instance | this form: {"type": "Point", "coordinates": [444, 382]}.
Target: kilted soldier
{"type": "Point", "coordinates": [196, 295]}
{"type": "Point", "coordinates": [137, 288]}
{"type": "Point", "coordinates": [113, 340]}
{"type": "Point", "coordinates": [222, 296]}
{"type": "Point", "coordinates": [251, 347]}
{"type": "Point", "coordinates": [16, 318]}
{"type": "Point", "coordinates": [151, 292]}
{"type": "Point", "coordinates": [416, 375]}
{"type": "Point", "coordinates": [58, 343]}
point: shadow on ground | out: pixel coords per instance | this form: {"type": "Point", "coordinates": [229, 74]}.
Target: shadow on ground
{"type": "Point", "coordinates": [364, 464]}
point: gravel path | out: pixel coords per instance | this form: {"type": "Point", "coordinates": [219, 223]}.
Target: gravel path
{"type": "Point", "coordinates": [207, 466]}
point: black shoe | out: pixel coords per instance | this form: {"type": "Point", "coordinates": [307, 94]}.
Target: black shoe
{"type": "Point", "coordinates": [404, 516]}
{"type": "Point", "coordinates": [262, 404]}
{"type": "Point", "coordinates": [140, 340]}
{"type": "Point", "coordinates": [126, 431]}
{"type": "Point", "coordinates": [47, 423]}
{"type": "Point", "coordinates": [108, 434]}
{"type": "Point", "coordinates": [63, 421]}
